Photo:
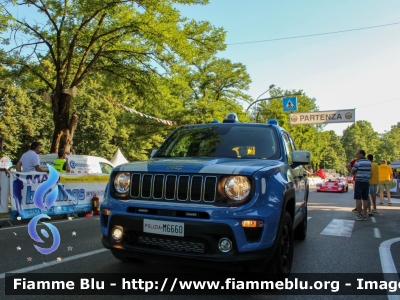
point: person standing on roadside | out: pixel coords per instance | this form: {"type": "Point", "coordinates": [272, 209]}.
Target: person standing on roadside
{"type": "Point", "coordinates": [18, 186]}
{"type": "Point", "coordinates": [373, 184]}
{"type": "Point", "coordinates": [61, 162]}
{"type": "Point", "coordinates": [30, 161]}
{"type": "Point", "coordinates": [362, 171]}
{"type": "Point", "coordinates": [1, 148]}
{"type": "Point", "coordinates": [385, 179]}
{"type": "Point", "coordinates": [349, 166]}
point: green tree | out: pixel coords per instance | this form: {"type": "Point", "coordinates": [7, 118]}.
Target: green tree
{"type": "Point", "coordinates": [360, 135]}
{"type": "Point", "coordinates": [303, 135]}
{"type": "Point", "coordinates": [21, 116]}
{"type": "Point", "coordinates": [325, 147]}
{"type": "Point", "coordinates": [205, 91]}
{"type": "Point", "coordinates": [390, 145]}
{"type": "Point", "coordinates": [131, 41]}
{"type": "Point", "coordinates": [329, 152]}
{"type": "Point", "coordinates": [217, 87]}
{"type": "Point", "coordinates": [105, 125]}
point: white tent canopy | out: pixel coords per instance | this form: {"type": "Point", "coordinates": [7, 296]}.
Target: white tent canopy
{"type": "Point", "coordinates": [118, 158]}
{"type": "Point", "coordinates": [395, 165]}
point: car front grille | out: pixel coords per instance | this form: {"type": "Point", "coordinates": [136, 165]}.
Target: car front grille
{"type": "Point", "coordinates": [193, 188]}
{"type": "Point", "coordinates": [171, 244]}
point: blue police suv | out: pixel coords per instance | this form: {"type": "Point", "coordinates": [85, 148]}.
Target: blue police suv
{"type": "Point", "coordinates": [231, 192]}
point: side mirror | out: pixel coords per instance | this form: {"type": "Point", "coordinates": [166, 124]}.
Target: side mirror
{"type": "Point", "coordinates": [301, 157]}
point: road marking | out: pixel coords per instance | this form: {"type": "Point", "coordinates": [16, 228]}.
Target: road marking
{"type": "Point", "coordinates": [55, 222]}
{"type": "Point", "coordinates": [377, 233]}
{"type": "Point", "coordinates": [339, 227]}
{"type": "Point", "coordinates": [373, 219]}
{"type": "Point", "coordinates": [54, 262]}
{"type": "Point", "coordinates": [388, 266]}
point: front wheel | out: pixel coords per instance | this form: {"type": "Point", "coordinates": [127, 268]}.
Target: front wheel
{"type": "Point", "coordinates": [281, 264]}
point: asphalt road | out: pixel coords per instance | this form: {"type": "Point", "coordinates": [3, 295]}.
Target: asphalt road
{"type": "Point", "coordinates": [335, 244]}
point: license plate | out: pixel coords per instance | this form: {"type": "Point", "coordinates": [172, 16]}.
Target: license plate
{"type": "Point", "coordinates": [163, 227]}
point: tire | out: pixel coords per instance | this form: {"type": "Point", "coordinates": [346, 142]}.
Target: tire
{"type": "Point", "coordinates": [117, 254]}
{"type": "Point", "coordinates": [281, 264]}
{"type": "Point", "coordinates": [347, 189]}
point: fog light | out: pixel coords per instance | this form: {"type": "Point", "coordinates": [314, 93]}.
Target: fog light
{"type": "Point", "coordinates": [225, 245]}
{"type": "Point", "coordinates": [252, 224]}
{"type": "Point", "coordinates": [117, 233]}
{"type": "Point", "coordinates": [105, 212]}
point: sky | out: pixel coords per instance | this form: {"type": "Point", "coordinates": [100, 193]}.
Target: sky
{"type": "Point", "coordinates": [357, 69]}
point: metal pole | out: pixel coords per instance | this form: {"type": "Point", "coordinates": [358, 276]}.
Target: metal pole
{"type": "Point", "coordinates": [272, 98]}
{"type": "Point", "coordinates": [270, 88]}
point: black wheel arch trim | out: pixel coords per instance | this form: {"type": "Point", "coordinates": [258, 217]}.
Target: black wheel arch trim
{"type": "Point", "coordinates": [288, 204]}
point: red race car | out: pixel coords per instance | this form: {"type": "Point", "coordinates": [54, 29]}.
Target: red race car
{"type": "Point", "coordinates": [338, 185]}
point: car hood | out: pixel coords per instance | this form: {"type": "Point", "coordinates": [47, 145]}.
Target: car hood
{"type": "Point", "coordinates": [198, 165]}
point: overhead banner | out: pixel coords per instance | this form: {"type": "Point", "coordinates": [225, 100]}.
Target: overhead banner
{"type": "Point", "coordinates": [323, 117]}
{"type": "Point", "coordinates": [75, 193]}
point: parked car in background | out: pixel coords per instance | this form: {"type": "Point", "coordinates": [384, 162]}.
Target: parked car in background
{"type": "Point", "coordinates": [338, 185]}
{"type": "Point", "coordinates": [80, 164]}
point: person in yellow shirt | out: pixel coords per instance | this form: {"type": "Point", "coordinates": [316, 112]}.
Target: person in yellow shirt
{"type": "Point", "coordinates": [373, 184]}
{"type": "Point", "coordinates": [385, 179]}
{"type": "Point", "coordinates": [60, 164]}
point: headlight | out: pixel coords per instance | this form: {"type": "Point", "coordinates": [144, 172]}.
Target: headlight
{"type": "Point", "coordinates": [122, 181]}
{"type": "Point", "coordinates": [237, 187]}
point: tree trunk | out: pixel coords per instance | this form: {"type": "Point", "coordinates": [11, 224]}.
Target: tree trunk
{"type": "Point", "coordinates": [64, 127]}
{"type": "Point", "coordinates": [66, 139]}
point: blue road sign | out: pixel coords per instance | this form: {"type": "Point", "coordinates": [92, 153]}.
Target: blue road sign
{"type": "Point", "coordinates": [289, 104]}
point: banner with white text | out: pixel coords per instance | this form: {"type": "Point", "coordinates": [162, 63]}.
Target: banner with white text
{"type": "Point", "coordinates": [75, 193]}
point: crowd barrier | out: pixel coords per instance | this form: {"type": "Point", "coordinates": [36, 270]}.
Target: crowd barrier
{"type": "Point", "coordinates": [74, 193]}
{"type": "Point", "coordinates": [395, 188]}
{"type": "Point", "coordinates": [4, 192]}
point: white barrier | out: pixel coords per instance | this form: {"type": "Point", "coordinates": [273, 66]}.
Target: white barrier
{"type": "Point", "coordinates": [74, 193]}
{"type": "Point", "coordinates": [4, 192]}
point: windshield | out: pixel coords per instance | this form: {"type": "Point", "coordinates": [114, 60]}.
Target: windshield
{"type": "Point", "coordinates": [234, 141]}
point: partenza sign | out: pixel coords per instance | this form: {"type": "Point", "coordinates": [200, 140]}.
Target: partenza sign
{"type": "Point", "coordinates": [323, 117]}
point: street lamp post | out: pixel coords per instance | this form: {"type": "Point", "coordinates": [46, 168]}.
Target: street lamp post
{"type": "Point", "coordinates": [272, 98]}
{"type": "Point", "coordinates": [269, 88]}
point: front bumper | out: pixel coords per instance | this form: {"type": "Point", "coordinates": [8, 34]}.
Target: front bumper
{"type": "Point", "coordinates": [200, 242]}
